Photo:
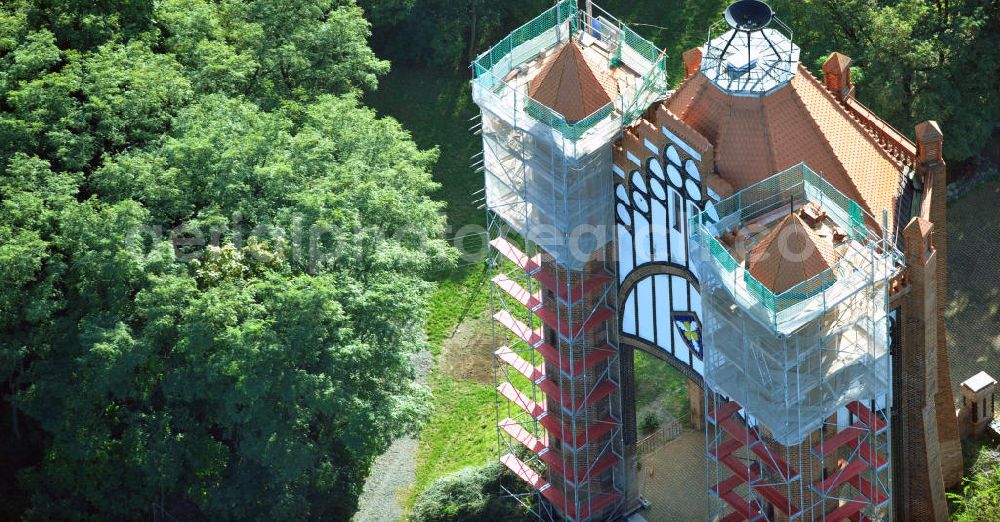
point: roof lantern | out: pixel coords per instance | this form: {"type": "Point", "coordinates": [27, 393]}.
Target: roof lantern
{"type": "Point", "coordinates": [754, 55]}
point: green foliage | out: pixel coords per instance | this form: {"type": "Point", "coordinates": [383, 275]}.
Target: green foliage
{"type": "Point", "coordinates": [462, 430]}
{"type": "Point", "coordinates": [303, 46]}
{"type": "Point", "coordinates": [471, 494]}
{"type": "Point", "coordinates": [383, 13]}
{"type": "Point", "coordinates": [979, 500]}
{"type": "Point", "coordinates": [84, 24]}
{"type": "Point", "coordinates": [660, 388]}
{"type": "Point", "coordinates": [213, 259]}
{"type": "Point", "coordinates": [650, 422]}
{"type": "Point", "coordinates": [438, 32]}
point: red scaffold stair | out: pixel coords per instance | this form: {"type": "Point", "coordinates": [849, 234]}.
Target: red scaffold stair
{"type": "Point", "coordinates": [551, 458]}
{"type": "Point", "coordinates": [851, 510]}
{"type": "Point", "coordinates": [534, 444]}
{"type": "Point", "coordinates": [551, 424]}
{"type": "Point", "coordinates": [848, 436]}
{"type": "Point", "coordinates": [740, 435]}
{"type": "Point", "coordinates": [872, 457]}
{"type": "Point", "coordinates": [533, 373]}
{"type": "Point", "coordinates": [533, 338]}
{"type": "Point", "coordinates": [533, 302]}
{"type": "Point", "coordinates": [873, 493]}
{"type": "Point", "coordinates": [740, 432]}
{"type": "Point", "coordinates": [564, 398]}
{"type": "Point", "coordinates": [568, 379]}
{"type": "Point", "coordinates": [535, 480]}
{"type": "Point", "coordinates": [863, 458]}
{"type": "Point", "coordinates": [533, 266]}
{"type": "Point", "coordinates": [725, 449]}
{"type": "Point", "coordinates": [521, 400]}
{"type": "Point", "coordinates": [523, 471]}
{"type": "Point", "coordinates": [842, 475]}
{"type": "Point", "coordinates": [867, 416]}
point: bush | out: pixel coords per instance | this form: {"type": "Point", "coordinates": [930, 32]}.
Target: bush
{"type": "Point", "coordinates": [979, 500]}
{"type": "Point", "coordinates": [471, 494]}
{"type": "Point", "coordinates": [650, 423]}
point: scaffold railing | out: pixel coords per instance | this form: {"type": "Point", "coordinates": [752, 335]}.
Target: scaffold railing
{"type": "Point", "coordinates": [556, 25]}
{"type": "Point", "coordinates": [871, 253]}
{"type": "Point", "coordinates": [550, 377]}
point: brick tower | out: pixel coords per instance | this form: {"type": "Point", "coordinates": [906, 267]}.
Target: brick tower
{"type": "Point", "coordinates": [624, 217]}
{"type": "Point", "coordinates": [555, 95]}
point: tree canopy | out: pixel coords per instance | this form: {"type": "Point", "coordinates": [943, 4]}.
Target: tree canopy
{"type": "Point", "coordinates": [915, 59]}
{"type": "Point", "coordinates": [473, 494]}
{"type": "Point", "coordinates": [213, 258]}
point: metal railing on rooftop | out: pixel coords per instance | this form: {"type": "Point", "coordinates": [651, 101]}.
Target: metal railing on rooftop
{"type": "Point", "coordinates": [802, 184]}
{"type": "Point", "coordinates": [545, 31]}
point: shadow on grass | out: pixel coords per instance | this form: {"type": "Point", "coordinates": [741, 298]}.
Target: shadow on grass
{"type": "Point", "coordinates": [972, 317]}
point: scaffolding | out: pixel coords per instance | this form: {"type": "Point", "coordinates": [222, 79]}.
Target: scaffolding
{"type": "Point", "coordinates": [544, 175]}
{"type": "Point", "coordinates": [798, 383]}
{"type": "Point", "coordinates": [558, 377]}
{"type": "Point", "coordinates": [553, 288]}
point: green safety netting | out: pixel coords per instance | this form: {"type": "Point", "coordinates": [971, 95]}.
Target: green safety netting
{"type": "Point", "coordinates": [529, 40]}
{"type": "Point", "coordinates": [796, 183]}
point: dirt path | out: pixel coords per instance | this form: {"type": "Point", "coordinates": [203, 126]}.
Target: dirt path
{"type": "Point", "coordinates": [393, 472]}
{"type": "Point", "coordinates": [468, 353]}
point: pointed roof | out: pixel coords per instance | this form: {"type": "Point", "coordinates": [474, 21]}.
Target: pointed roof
{"type": "Point", "coordinates": [836, 62]}
{"type": "Point", "coordinates": [929, 131]}
{"type": "Point", "coordinates": [790, 254]}
{"type": "Point", "coordinates": [571, 85]}
{"type": "Point", "coordinates": [754, 137]}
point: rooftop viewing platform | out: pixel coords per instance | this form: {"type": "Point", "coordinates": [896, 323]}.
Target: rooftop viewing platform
{"type": "Point", "coordinates": [576, 74]}
{"type": "Point", "coordinates": [794, 281]}
{"type": "Point", "coordinates": [792, 246]}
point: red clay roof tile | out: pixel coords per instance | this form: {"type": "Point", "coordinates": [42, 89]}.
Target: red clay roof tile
{"type": "Point", "coordinates": [790, 254]}
{"type": "Point", "coordinates": [571, 85]}
{"type": "Point", "coordinates": [756, 137]}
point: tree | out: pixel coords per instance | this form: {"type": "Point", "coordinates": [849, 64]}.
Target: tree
{"type": "Point", "coordinates": [472, 494]}
{"type": "Point", "coordinates": [85, 24]}
{"type": "Point", "coordinates": [979, 500]}
{"type": "Point", "coordinates": [213, 259]}
{"type": "Point", "coordinates": [438, 32]}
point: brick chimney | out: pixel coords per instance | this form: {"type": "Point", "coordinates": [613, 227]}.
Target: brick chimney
{"type": "Point", "coordinates": [929, 141]}
{"type": "Point", "coordinates": [692, 61]}
{"type": "Point", "coordinates": [837, 75]}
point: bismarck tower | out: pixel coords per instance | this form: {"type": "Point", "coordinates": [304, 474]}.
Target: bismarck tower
{"type": "Point", "coordinates": [757, 228]}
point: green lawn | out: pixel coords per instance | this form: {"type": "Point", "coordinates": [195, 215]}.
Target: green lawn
{"type": "Point", "coordinates": [436, 108]}
{"type": "Point", "coordinates": [660, 390]}
{"type": "Point", "coordinates": [462, 432]}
